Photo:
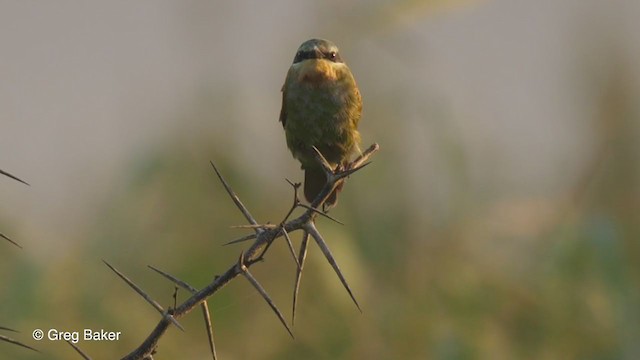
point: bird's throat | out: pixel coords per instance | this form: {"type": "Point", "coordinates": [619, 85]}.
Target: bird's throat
{"type": "Point", "coordinates": [316, 72]}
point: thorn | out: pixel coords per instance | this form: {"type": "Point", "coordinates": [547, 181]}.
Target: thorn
{"type": "Point", "coordinates": [241, 262]}
{"type": "Point", "coordinates": [209, 328]}
{"type": "Point", "coordinates": [244, 238]}
{"type": "Point", "coordinates": [295, 185]}
{"type": "Point", "coordinates": [204, 306]}
{"type": "Point", "coordinates": [77, 349]}
{"type": "Point", "coordinates": [175, 296]}
{"type": "Point", "coordinates": [144, 295]}
{"type": "Point", "coordinates": [365, 155]}
{"type": "Point", "coordinates": [321, 213]}
{"type": "Point", "coordinates": [254, 226]}
{"type": "Point", "coordinates": [301, 258]}
{"type": "Point", "coordinates": [290, 245]}
{"type": "Point", "coordinates": [235, 197]}
{"type": "Point", "coordinates": [174, 279]}
{"type": "Point", "coordinates": [345, 173]}
{"type": "Point", "coordinates": [263, 292]}
{"type": "Point", "coordinates": [16, 342]}
{"type": "Point", "coordinates": [310, 227]}
{"type": "Point", "coordinates": [9, 240]}
{"type": "Point", "coordinates": [323, 161]}
{"type": "Point", "coordinates": [14, 177]}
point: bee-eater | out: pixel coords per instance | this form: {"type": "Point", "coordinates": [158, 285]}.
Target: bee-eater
{"type": "Point", "coordinates": [321, 107]}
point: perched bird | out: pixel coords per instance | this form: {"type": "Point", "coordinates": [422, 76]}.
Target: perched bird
{"type": "Point", "coordinates": [321, 107]}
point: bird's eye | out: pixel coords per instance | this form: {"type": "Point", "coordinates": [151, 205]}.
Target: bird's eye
{"type": "Point", "coordinates": [333, 56]}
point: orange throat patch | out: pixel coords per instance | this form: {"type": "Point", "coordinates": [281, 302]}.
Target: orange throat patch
{"type": "Point", "coordinates": [316, 72]}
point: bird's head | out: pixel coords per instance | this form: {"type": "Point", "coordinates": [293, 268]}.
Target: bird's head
{"type": "Point", "coordinates": [318, 60]}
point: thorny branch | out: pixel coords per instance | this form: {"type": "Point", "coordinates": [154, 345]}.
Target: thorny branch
{"type": "Point", "coordinates": [264, 236]}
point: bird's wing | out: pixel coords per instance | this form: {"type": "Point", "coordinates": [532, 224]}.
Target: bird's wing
{"type": "Point", "coordinates": [358, 98]}
{"type": "Point", "coordinates": [283, 109]}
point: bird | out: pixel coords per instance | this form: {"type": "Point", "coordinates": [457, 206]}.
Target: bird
{"type": "Point", "coordinates": [321, 107]}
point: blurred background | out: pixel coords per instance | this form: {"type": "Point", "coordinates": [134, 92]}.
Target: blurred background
{"type": "Point", "coordinates": [500, 220]}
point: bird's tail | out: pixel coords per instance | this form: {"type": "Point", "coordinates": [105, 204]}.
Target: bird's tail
{"type": "Point", "coordinates": [314, 181]}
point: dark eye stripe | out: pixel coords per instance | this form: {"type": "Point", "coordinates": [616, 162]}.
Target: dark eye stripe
{"type": "Point", "coordinates": [305, 55]}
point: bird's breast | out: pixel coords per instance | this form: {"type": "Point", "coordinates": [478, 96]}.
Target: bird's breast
{"type": "Point", "coordinates": [322, 106]}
